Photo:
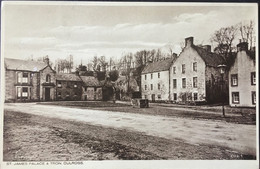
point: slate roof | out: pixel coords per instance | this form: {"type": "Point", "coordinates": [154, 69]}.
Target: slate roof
{"type": "Point", "coordinates": [68, 77]}
{"type": "Point", "coordinates": [27, 65]}
{"type": "Point", "coordinates": [158, 66]}
{"type": "Point", "coordinates": [90, 81]}
{"type": "Point", "coordinates": [211, 59]}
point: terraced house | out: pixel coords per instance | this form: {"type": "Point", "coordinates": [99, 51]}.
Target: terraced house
{"type": "Point", "coordinates": [29, 80]}
{"type": "Point", "coordinates": [155, 82]}
{"type": "Point", "coordinates": [194, 76]}
{"type": "Point", "coordinates": [242, 76]}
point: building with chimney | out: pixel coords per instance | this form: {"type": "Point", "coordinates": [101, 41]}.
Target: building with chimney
{"type": "Point", "coordinates": [242, 78]}
{"type": "Point", "coordinates": [155, 80]}
{"type": "Point", "coordinates": [29, 80]}
{"type": "Point", "coordinates": [194, 76]}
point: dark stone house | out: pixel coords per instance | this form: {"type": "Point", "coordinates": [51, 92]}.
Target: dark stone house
{"type": "Point", "coordinates": [29, 80]}
{"type": "Point", "coordinates": [69, 86]}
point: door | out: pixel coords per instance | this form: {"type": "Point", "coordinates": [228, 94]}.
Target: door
{"type": "Point", "coordinates": [153, 97]}
{"type": "Point", "coordinates": [47, 94]}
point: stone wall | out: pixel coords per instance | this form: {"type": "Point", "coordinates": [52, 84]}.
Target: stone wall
{"type": "Point", "coordinates": [69, 90]}
{"type": "Point", "coordinates": [92, 93]}
{"type": "Point", "coordinates": [43, 74]}
{"type": "Point", "coordinates": [163, 81]}
{"type": "Point", "coordinates": [10, 80]}
{"type": "Point", "coordinates": [187, 58]}
{"type": "Point", "coordinates": [243, 67]}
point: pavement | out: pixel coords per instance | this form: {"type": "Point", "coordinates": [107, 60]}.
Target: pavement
{"type": "Point", "coordinates": [238, 137]}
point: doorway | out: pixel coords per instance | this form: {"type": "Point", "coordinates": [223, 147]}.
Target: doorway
{"type": "Point", "coordinates": [47, 94]}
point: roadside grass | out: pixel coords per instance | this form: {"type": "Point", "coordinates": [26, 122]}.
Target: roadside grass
{"type": "Point", "coordinates": [233, 115]}
{"type": "Point", "coordinates": [36, 138]}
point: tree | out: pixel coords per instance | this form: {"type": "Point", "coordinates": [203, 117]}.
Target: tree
{"type": "Point", "coordinates": [224, 38]}
{"type": "Point", "coordinates": [113, 75]}
{"type": "Point", "coordinates": [247, 32]}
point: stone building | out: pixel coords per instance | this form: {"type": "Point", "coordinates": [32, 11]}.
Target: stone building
{"type": "Point", "coordinates": [242, 78]}
{"type": "Point", "coordinates": [155, 80]}
{"type": "Point", "coordinates": [92, 88]}
{"type": "Point", "coordinates": [69, 86]}
{"type": "Point", "coordinates": [194, 76]}
{"type": "Point", "coordinates": [29, 80]}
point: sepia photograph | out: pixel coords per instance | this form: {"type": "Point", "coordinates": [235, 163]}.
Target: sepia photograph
{"type": "Point", "coordinates": [129, 85]}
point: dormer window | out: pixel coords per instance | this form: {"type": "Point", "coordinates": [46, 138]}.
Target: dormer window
{"type": "Point", "coordinates": [48, 78]}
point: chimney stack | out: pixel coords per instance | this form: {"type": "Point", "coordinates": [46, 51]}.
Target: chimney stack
{"type": "Point", "coordinates": [207, 48]}
{"type": "Point", "coordinates": [243, 46]}
{"type": "Point", "coordinates": [188, 41]}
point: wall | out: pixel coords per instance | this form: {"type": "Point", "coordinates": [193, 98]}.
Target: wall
{"type": "Point", "coordinates": [11, 85]}
{"type": "Point", "coordinates": [164, 85]}
{"type": "Point", "coordinates": [43, 74]}
{"type": "Point", "coordinates": [10, 80]}
{"type": "Point", "coordinates": [188, 57]}
{"type": "Point", "coordinates": [68, 91]}
{"type": "Point", "coordinates": [92, 93]}
{"type": "Point", "coordinates": [243, 66]}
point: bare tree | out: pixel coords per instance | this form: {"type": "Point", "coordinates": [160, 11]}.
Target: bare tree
{"type": "Point", "coordinates": [247, 32]}
{"type": "Point", "coordinates": [224, 38]}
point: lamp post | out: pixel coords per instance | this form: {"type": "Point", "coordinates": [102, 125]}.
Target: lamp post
{"type": "Point", "coordinates": [222, 69]}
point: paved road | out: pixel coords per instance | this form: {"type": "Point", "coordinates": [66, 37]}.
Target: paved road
{"type": "Point", "coordinates": [238, 137]}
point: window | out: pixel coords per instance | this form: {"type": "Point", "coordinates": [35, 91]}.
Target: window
{"type": "Point", "coordinates": [195, 66]}
{"type": "Point", "coordinates": [159, 96]}
{"type": "Point", "coordinates": [235, 97]}
{"type": "Point", "coordinates": [75, 85]}
{"type": "Point", "coordinates": [25, 78]}
{"type": "Point", "coordinates": [151, 76]}
{"type": "Point", "coordinates": [145, 77]}
{"type": "Point", "coordinates": [253, 79]}
{"type": "Point", "coordinates": [195, 96]}
{"type": "Point", "coordinates": [183, 68]}
{"type": "Point", "coordinates": [151, 86]}
{"type": "Point", "coordinates": [59, 94]}
{"type": "Point", "coordinates": [253, 98]}
{"type": "Point", "coordinates": [195, 82]}
{"type": "Point", "coordinates": [19, 77]}
{"type": "Point", "coordinates": [174, 96]}
{"type": "Point", "coordinates": [59, 84]}
{"type": "Point", "coordinates": [174, 70]}
{"type": "Point", "coordinates": [145, 87]}
{"type": "Point", "coordinates": [86, 89]}
{"type": "Point", "coordinates": [19, 92]}
{"type": "Point", "coordinates": [25, 92]}
{"type": "Point", "coordinates": [48, 78]}
{"type": "Point", "coordinates": [183, 82]}
{"type": "Point", "coordinates": [159, 86]}
{"type": "Point", "coordinates": [234, 80]}
{"type": "Point", "coordinates": [158, 75]}
{"type": "Point", "coordinates": [145, 96]}
{"type": "Point", "coordinates": [174, 83]}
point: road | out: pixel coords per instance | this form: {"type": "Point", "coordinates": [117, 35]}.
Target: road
{"type": "Point", "coordinates": [241, 138]}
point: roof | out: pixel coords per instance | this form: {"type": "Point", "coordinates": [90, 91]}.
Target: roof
{"type": "Point", "coordinates": [28, 65]}
{"type": "Point", "coordinates": [90, 81]}
{"type": "Point", "coordinates": [158, 66]}
{"type": "Point", "coordinates": [68, 77]}
{"type": "Point", "coordinates": [211, 59]}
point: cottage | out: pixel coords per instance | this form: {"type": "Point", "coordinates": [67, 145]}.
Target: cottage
{"type": "Point", "coordinates": [242, 76]}
{"type": "Point", "coordinates": [155, 79]}
{"type": "Point", "coordinates": [194, 75]}
{"type": "Point", "coordinates": [92, 88]}
{"type": "Point", "coordinates": [69, 86]}
{"type": "Point", "coordinates": [29, 80]}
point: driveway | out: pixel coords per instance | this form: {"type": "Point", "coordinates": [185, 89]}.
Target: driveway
{"type": "Point", "coordinates": [238, 137]}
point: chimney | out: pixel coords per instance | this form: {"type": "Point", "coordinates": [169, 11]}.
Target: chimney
{"type": "Point", "coordinates": [207, 48]}
{"type": "Point", "coordinates": [243, 46]}
{"type": "Point", "coordinates": [188, 41]}
{"type": "Point", "coordinates": [95, 74]}
{"type": "Point", "coordinates": [47, 61]}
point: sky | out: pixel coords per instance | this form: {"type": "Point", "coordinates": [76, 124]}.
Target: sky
{"type": "Point", "coordinates": [84, 30]}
